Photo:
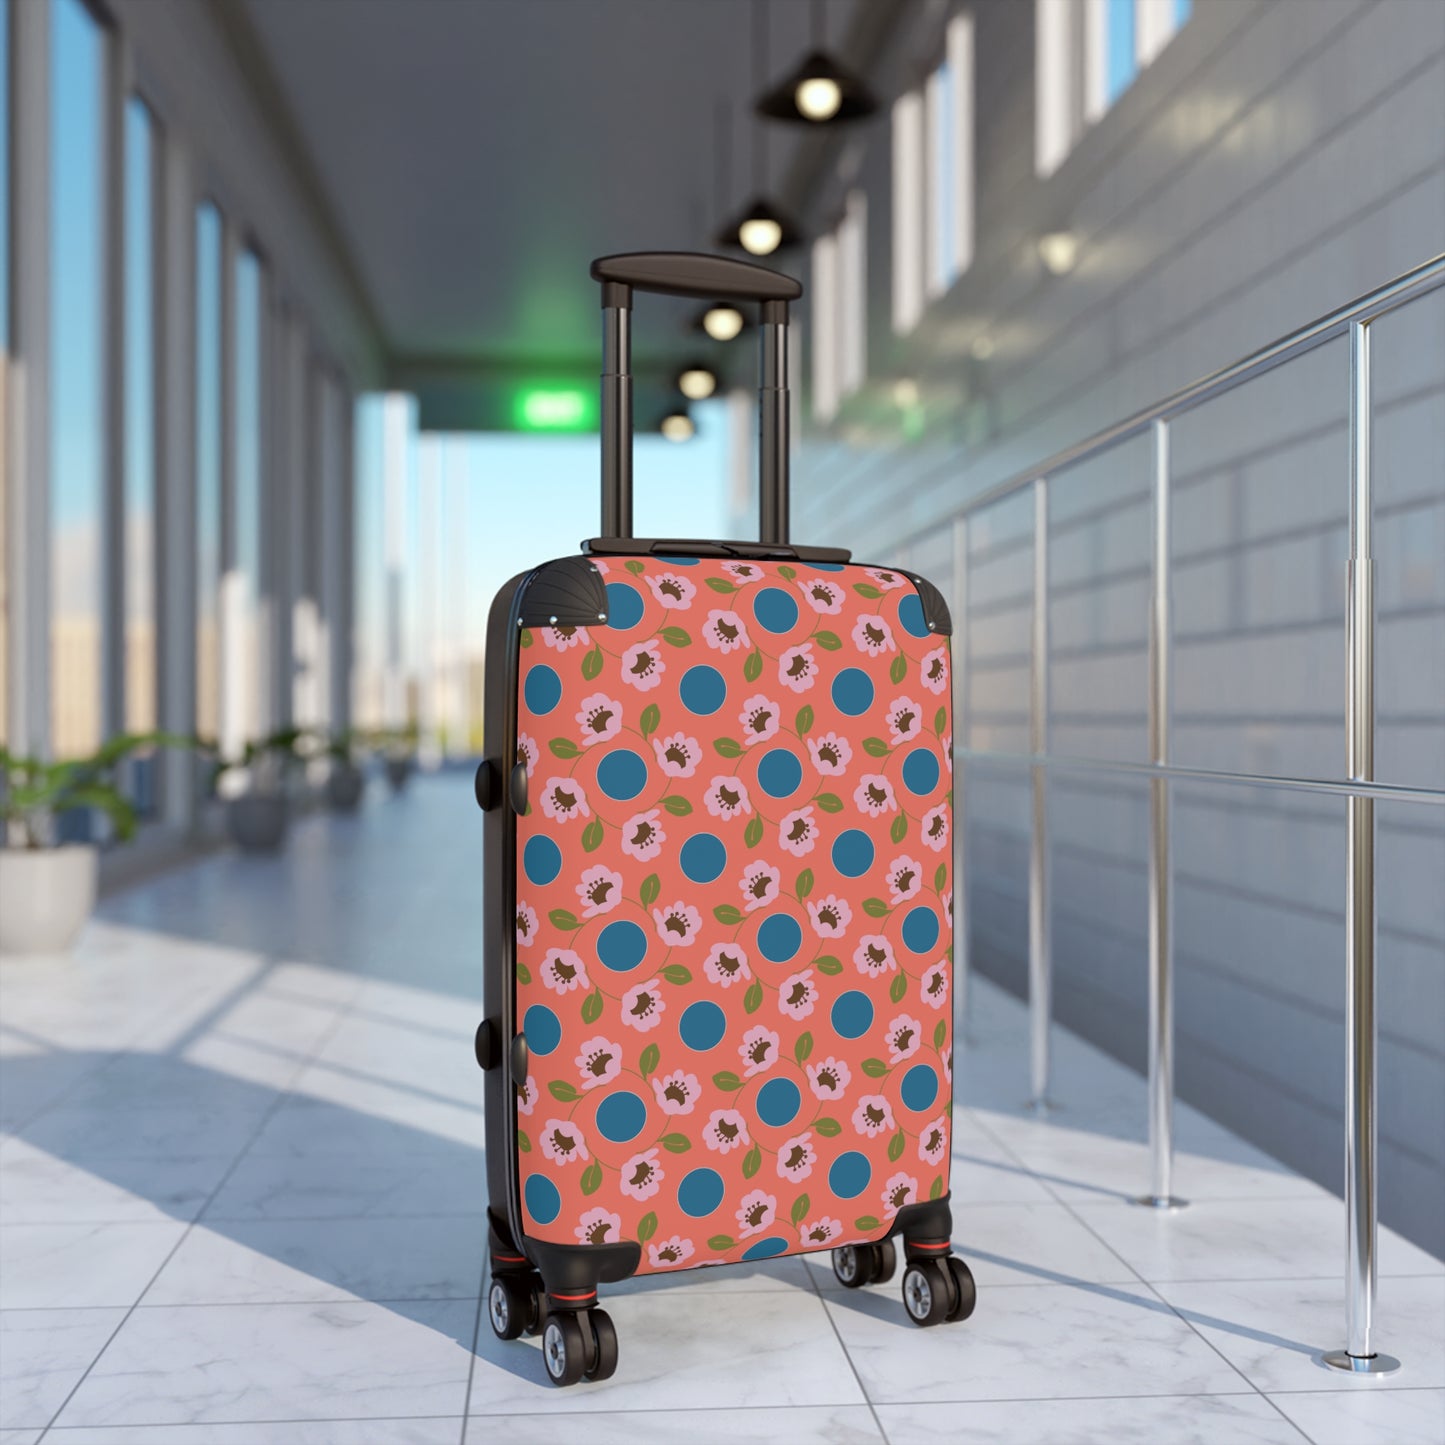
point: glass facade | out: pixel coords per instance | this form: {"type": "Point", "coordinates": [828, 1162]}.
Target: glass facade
{"type": "Point", "coordinates": [243, 581]}
{"type": "Point", "coordinates": [208, 469]}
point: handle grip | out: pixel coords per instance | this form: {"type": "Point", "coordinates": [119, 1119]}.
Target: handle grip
{"type": "Point", "coordinates": [692, 273]}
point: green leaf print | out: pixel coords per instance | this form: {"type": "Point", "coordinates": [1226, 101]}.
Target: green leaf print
{"type": "Point", "coordinates": [635, 567]}
{"type": "Point", "coordinates": [677, 973]}
{"type": "Point", "coordinates": [651, 887]}
{"type": "Point", "coordinates": [523, 1142]}
{"type": "Point", "coordinates": [560, 1089]}
{"type": "Point", "coordinates": [651, 716]}
{"type": "Point", "coordinates": [788, 574]}
{"type": "Point", "coordinates": [940, 721]}
{"type": "Point", "coordinates": [651, 1057]}
{"type": "Point", "coordinates": [940, 877]}
{"type": "Point", "coordinates": [592, 836]}
{"type": "Point", "coordinates": [940, 1032]}
{"type": "Point", "coordinates": [564, 748]}
{"type": "Point", "coordinates": [801, 1205]}
{"type": "Point", "coordinates": [828, 1128]}
{"type": "Point", "coordinates": [829, 802]}
{"type": "Point", "coordinates": [646, 1228]}
{"type": "Point", "coordinates": [524, 974]}
{"type": "Point", "coordinates": [895, 1147]}
{"type": "Point", "coordinates": [753, 667]}
{"type": "Point", "coordinates": [563, 918]}
{"type": "Point", "coordinates": [727, 747]}
{"type": "Point", "coordinates": [753, 998]}
{"type": "Point", "coordinates": [592, 663]}
{"type": "Point", "coordinates": [721, 584]}
{"type": "Point", "coordinates": [753, 833]}
{"type": "Point", "coordinates": [720, 1242]}
{"type": "Point", "coordinates": [875, 908]}
{"type": "Point", "coordinates": [804, 720]}
{"type": "Point", "coordinates": [875, 747]}
{"type": "Point", "coordinates": [936, 1188]}
{"type": "Point", "coordinates": [676, 636]}
{"type": "Point", "coordinates": [676, 1143]}
{"type": "Point", "coordinates": [828, 641]}
{"type": "Point", "coordinates": [896, 990]}
{"type": "Point", "coordinates": [678, 807]}
{"type": "Point", "coordinates": [867, 589]}
{"type": "Point", "coordinates": [804, 885]}
{"type": "Point", "coordinates": [752, 1162]}
{"type": "Point", "coordinates": [592, 1178]}
{"type": "Point", "coordinates": [827, 964]}
{"type": "Point", "coordinates": [726, 913]}
{"type": "Point", "coordinates": [898, 670]}
{"type": "Point", "coordinates": [727, 1080]}
{"type": "Point", "coordinates": [592, 1007]}
{"type": "Point", "coordinates": [526, 638]}
{"type": "Point", "coordinates": [899, 830]}
{"type": "Point", "coordinates": [803, 1047]}
{"type": "Point", "coordinates": [866, 1222]}
{"type": "Point", "coordinates": [874, 1068]}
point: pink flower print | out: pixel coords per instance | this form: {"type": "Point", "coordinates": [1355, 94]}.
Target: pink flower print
{"type": "Point", "coordinates": [888, 581]}
{"type": "Point", "coordinates": [743, 571]}
{"type": "Point", "coordinates": [677, 925]}
{"type": "Point", "coordinates": [642, 665]}
{"type": "Point", "coordinates": [759, 718]}
{"type": "Point", "coordinates": [726, 1130]}
{"type": "Point", "coordinates": [948, 1065]}
{"type": "Point", "coordinates": [905, 720]}
{"type": "Point", "coordinates": [726, 631]}
{"type": "Point", "coordinates": [643, 836]}
{"type": "Point", "coordinates": [676, 1092]}
{"type": "Point", "coordinates": [563, 799]}
{"type": "Point", "coordinates": [831, 916]}
{"type": "Point", "coordinates": [798, 668]}
{"type": "Point", "coordinates": [873, 1116]}
{"type": "Point", "coordinates": [831, 754]}
{"type": "Point", "coordinates": [822, 595]}
{"type": "Point", "coordinates": [599, 1062]}
{"type": "Point", "coordinates": [874, 795]}
{"type": "Point", "coordinates": [670, 1252]}
{"type": "Point", "coordinates": [874, 955]}
{"type": "Point", "coordinates": [564, 970]}
{"type": "Point", "coordinates": [527, 752]}
{"type": "Point", "coordinates": [727, 797]}
{"type": "Point", "coordinates": [934, 670]}
{"type": "Point", "coordinates": [526, 925]}
{"type": "Point", "coordinates": [871, 634]}
{"type": "Point", "coordinates": [756, 1213]}
{"type": "Point", "coordinates": [904, 1037]}
{"type": "Point", "coordinates": [797, 994]}
{"type": "Point", "coordinates": [599, 1226]}
{"type": "Point", "coordinates": [759, 1050]}
{"type": "Point", "coordinates": [798, 833]}
{"type": "Point", "coordinates": [598, 565]}
{"type": "Point", "coordinates": [642, 1175]}
{"type": "Point", "coordinates": [797, 1157]}
{"type": "Point", "coordinates": [821, 1231]}
{"type": "Point", "coordinates": [600, 719]}
{"type": "Point", "coordinates": [760, 884]}
{"type": "Point", "coordinates": [562, 1141]}
{"type": "Point", "coordinates": [934, 989]}
{"type": "Point", "coordinates": [934, 828]}
{"type": "Point", "coordinates": [829, 1078]}
{"type": "Point", "coordinates": [725, 964]}
{"type": "Point", "coordinates": [677, 755]}
{"type": "Point", "coordinates": [600, 890]}
{"type": "Point", "coordinates": [946, 742]}
{"type": "Point", "coordinates": [564, 637]}
{"type": "Point", "coordinates": [672, 591]}
{"type": "Point", "coordinates": [527, 1096]}
{"type": "Point", "coordinates": [933, 1141]}
{"type": "Point", "coordinates": [905, 880]}
{"type": "Point", "coordinates": [900, 1190]}
{"type": "Point", "coordinates": [643, 1006]}
{"type": "Point", "coordinates": [946, 898]}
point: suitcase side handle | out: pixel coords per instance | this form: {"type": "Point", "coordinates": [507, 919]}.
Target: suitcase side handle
{"type": "Point", "coordinates": [687, 273]}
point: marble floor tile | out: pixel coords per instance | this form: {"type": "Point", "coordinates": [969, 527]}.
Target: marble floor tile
{"type": "Point", "coordinates": [1371, 1417]}
{"type": "Point", "coordinates": [757, 1351]}
{"type": "Point", "coordinates": [983, 1172]}
{"type": "Point", "coordinates": [20, 1437]}
{"type": "Point", "coordinates": [295, 1260]}
{"type": "Point", "coordinates": [205, 1364]}
{"type": "Point", "coordinates": [766, 1425]}
{"type": "Point", "coordinates": [43, 1354]}
{"type": "Point", "coordinates": [69, 1266]}
{"type": "Point", "coordinates": [436, 1430]}
{"type": "Point", "coordinates": [1029, 1342]}
{"type": "Point", "coordinates": [1147, 1420]}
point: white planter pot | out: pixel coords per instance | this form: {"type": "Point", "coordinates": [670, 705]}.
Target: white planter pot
{"type": "Point", "coordinates": [46, 894]}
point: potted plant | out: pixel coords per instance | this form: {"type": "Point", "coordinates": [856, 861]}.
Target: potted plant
{"type": "Point", "coordinates": [47, 887]}
{"type": "Point", "coordinates": [345, 782]}
{"type": "Point", "coordinates": [257, 806]}
{"type": "Point", "coordinates": [399, 746]}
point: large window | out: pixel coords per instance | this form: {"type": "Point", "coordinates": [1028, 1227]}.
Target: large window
{"type": "Point", "coordinates": [77, 417]}
{"type": "Point", "coordinates": [208, 469]}
{"type": "Point", "coordinates": [840, 309]}
{"type": "Point", "coordinates": [4, 362]}
{"type": "Point", "coordinates": [242, 584]}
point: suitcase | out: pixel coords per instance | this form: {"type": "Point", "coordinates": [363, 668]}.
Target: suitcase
{"type": "Point", "coordinates": [719, 963]}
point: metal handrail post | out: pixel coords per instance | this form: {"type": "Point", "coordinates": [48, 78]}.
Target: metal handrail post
{"type": "Point", "coordinates": [1359, 1355]}
{"type": "Point", "coordinates": [1161, 876]}
{"type": "Point", "coordinates": [960, 796]}
{"type": "Point", "coordinates": [1041, 981]}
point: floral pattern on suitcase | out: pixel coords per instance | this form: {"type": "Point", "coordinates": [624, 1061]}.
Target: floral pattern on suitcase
{"type": "Point", "coordinates": [734, 914]}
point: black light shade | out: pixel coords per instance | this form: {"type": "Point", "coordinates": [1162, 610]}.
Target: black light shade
{"type": "Point", "coordinates": [760, 229]}
{"type": "Point", "coordinates": [818, 92]}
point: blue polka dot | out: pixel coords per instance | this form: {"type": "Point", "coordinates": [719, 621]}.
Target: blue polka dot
{"type": "Point", "coordinates": [702, 690]}
{"type": "Point", "coordinates": [780, 773]}
{"type": "Point", "coordinates": [780, 938]}
{"type": "Point", "coordinates": [920, 930]}
{"type": "Point", "coordinates": [766, 1248]}
{"type": "Point", "coordinates": [622, 774]}
{"type": "Point", "coordinates": [779, 1102]}
{"type": "Point", "coordinates": [920, 771]}
{"type": "Point", "coordinates": [621, 1117]}
{"type": "Point", "coordinates": [910, 614]}
{"type": "Point", "coordinates": [541, 860]}
{"type": "Point", "coordinates": [624, 606]}
{"type": "Point", "coordinates": [852, 691]}
{"type": "Point", "coordinates": [850, 1174]}
{"type": "Point", "coordinates": [920, 1088]}
{"type": "Point", "coordinates": [621, 946]}
{"type": "Point", "coordinates": [853, 853]}
{"type": "Point", "coordinates": [676, 561]}
{"type": "Point", "coordinates": [852, 1014]}
{"type": "Point", "coordinates": [543, 1030]}
{"type": "Point", "coordinates": [826, 566]}
{"type": "Point", "coordinates": [542, 689]}
{"type": "Point", "coordinates": [544, 1203]}
{"type": "Point", "coordinates": [775, 609]}
{"type": "Point", "coordinates": [700, 1192]}
{"type": "Point", "coordinates": [703, 858]}
{"type": "Point", "coordinates": [702, 1026]}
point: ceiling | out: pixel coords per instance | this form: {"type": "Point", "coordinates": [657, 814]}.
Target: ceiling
{"type": "Point", "coordinates": [475, 155]}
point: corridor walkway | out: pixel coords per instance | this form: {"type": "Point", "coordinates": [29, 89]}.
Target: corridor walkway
{"type": "Point", "coordinates": [241, 1199]}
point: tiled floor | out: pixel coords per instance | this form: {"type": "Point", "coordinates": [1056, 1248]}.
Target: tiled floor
{"type": "Point", "coordinates": [241, 1204]}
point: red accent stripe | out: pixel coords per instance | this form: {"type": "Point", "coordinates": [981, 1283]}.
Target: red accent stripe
{"type": "Point", "coordinates": [510, 1258]}
{"type": "Point", "coordinates": [591, 1294]}
{"type": "Point", "coordinates": [911, 1244]}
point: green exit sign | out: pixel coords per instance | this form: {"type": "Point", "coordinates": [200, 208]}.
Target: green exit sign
{"type": "Point", "coordinates": [554, 408]}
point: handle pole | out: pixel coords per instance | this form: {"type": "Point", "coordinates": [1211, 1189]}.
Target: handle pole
{"type": "Point", "coordinates": [773, 424]}
{"type": "Point", "coordinates": [616, 421]}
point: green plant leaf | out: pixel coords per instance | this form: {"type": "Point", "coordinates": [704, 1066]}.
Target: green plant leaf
{"type": "Point", "coordinates": [721, 584]}
{"type": "Point", "coordinates": [940, 721]}
{"type": "Point", "coordinates": [804, 720]}
{"type": "Point", "coordinates": [753, 667]}
{"type": "Point", "coordinates": [727, 1080]}
{"type": "Point", "coordinates": [895, 1147]}
{"type": "Point", "coordinates": [592, 663]}
{"type": "Point", "coordinates": [829, 802]}
{"type": "Point", "coordinates": [866, 1222]}
{"type": "Point", "coordinates": [874, 1068]}
{"type": "Point", "coordinates": [753, 833]}
{"type": "Point", "coordinates": [560, 1089]}
{"type": "Point", "coordinates": [676, 636]}
{"type": "Point", "coordinates": [646, 1227]}
{"type": "Point", "coordinates": [753, 998]}
{"type": "Point", "coordinates": [801, 1205]}
{"type": "Point", "coordinates": [592, 1007]}
{"type": "Point", "coordinates": [524, 974]}
{"type": "Point", "coordinates": [804, 885]}
{"type": "Point", "coordinates": [651, 1057]}
{"type": "Point", "coordinates": [828, 641]}
{"type": "Point", "coordinates": [898, 829]}
{"type": "Point", "coordinates": [788, 574]}
{"type": "Point", "coordinates": [828, 1128]}
{"type": "Point", "coordinates": [526, 638]}
{"type": "Point", "coordinates": [676, 1143]}
{"type": "Point", "coordinates": [752, 1162]}
{"type": "Point", "coordinates": [727, 747]}
{"type": "Point", "coordinates": [564, 748]}
{"type": "Point", "coordinates": [651, 716]}
{"type": "Point", "coordinates": [940, 1032]}
{"type": "Point", "coordinates": [678, 807]}
{"type": "Point", "coordinates": [875, 747]}
{"type": "Point", "coordinates": [828, 964]}
{"type": "Point", "coordinates": [592, 1178]}
{"type": "Point", "coordinates": [651, 887]}
{"type": "Point", "coordinates": [592, 836]}
{"type": "Point", "coordinates": [677, 973]}
{"type": "Point", "coordinates": [875, 908]}
{"type": "Point", "coordinates": [726, 913]}
{"type": "Point", "coordinates": [720, 1242]}
{"type": "Point", "coordinates": [634, 566]}
{"type": "Point", "coordinates": [940, 877]}
{"type": "Point", "coordinates": [803, 1047]}
{"type": "Point", "coordinates": [898, 669]}
{"type": "Point", "coordinates": [936, 1188]}
{"type": "Point", "coordinates": [564, 919]}
{"type": "Point", "coordinates": [898, 988]}
{"type": "Point", "coordinates": [867, 589]}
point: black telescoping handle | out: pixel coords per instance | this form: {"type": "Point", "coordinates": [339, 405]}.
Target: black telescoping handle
{"type": "Point", "coordinates": [687, 273]}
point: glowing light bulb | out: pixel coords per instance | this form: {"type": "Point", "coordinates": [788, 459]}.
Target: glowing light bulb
{"type": "Point", "coordinates": [905, 393]}
{"type": "Point", "coordinates": [760, 235]}
{"type": "Point", "coordinates": [722, 323]}
{"type": "Point", "coordinates": [1058, 251]}
{"type": "Point", "coordinates": [697, 383]}
{"type": "Point", "coordinates": [818, 98]}
{"type": "Point", "coordinates": [678, 427]}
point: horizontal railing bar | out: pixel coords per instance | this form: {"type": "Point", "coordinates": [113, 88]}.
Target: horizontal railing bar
{"type": "Point", "coordinates": [1369, 307]}
{"type": "Point", "coordinates": [1388, 792]}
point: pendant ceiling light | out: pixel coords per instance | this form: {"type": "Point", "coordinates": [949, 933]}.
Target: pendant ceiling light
{"type": "Point", "coordinates": [721, 321]}
{"type": "Point", "coordinates": [697, 381]}
{"type": "Point", "coordinates": [820, 90]}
